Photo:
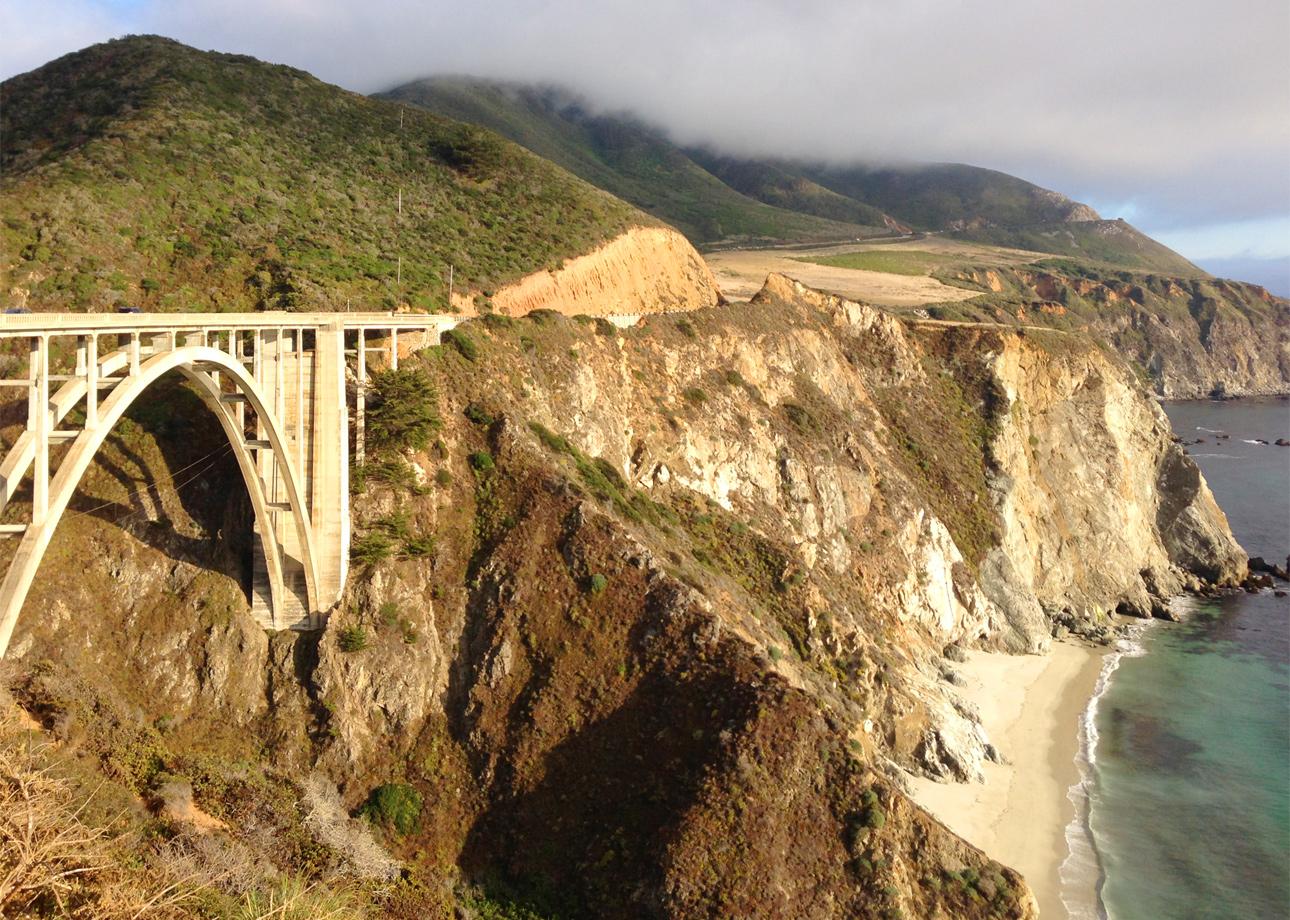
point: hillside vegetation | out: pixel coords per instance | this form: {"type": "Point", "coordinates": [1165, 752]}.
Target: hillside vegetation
{"type": "Point", "coordinates": [784, 188]}
{"type": "Point", "coordinates": [143, 171]}
{"type": "Point", "coordinates": [634, 162]}
{"type": "Point", "coordinates": [947, 196]}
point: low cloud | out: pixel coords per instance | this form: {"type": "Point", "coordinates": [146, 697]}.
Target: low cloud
{"type": "Point", "coordinates": [1178, 108]}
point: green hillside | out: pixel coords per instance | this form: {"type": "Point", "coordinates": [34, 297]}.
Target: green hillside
{"type": "Point", "coordinates": [715, 197]}
{"type": "Point", "coordinates": [1109, 242]}
{"type": "Point", "coordinates": [630, 160]}
{"type": "Point", "coordinates": [947, 196]}
{"type": "Point", "coordinates": [144, 171]}
{"type": "Point", "coordinates": [774, 185]}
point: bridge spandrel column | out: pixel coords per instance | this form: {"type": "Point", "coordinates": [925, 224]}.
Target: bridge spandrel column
{"type": "Point", "coordinates": [329, 467]}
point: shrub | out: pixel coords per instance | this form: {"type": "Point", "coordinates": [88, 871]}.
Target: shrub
{"type": "Point", "coordinates": [686, 328]}
{"type": "Point", "coordinates": [482, 461]}
{"type": "Point", "coordinates": [734, 378]}
{"type": "Point", "coordinates": [420, 545]}
{"type": "Point", "coordinates": [478, 414]}
{"type": "Point", "coordinates": [389, 613]}
{"type": "Point", "coordinates": [397, 806]}
{"type": "Point", "coordinates": [371, 548]}
{"type": "Point", "coordinates": [696, 395]}
{"type": "Point", "coordinates": [463, 343]}
{"type": "Point", "coordinates": [352, 639]}
{"type": "Point", "coordinates": [395, 471]}
{"type": "Point", "coordinates": [555, 442]}
{"type": "Point", "coordinates": [597, 583]}
{"type": "Point", "coordinates": [800, 417]}
{"type": "Point", "coordinates": [292, 898]}
{"type": "Point", "coordinates": [443, 477]}
{"type": "Point", "coordinates": [404, 411]}
{"type": "Point", "coordinates": [874, 816]}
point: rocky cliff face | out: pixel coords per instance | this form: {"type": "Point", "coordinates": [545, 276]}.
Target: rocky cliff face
{"type": "Point", "coordinates": [682, 626]}
{"type": "Point", "coordinates": [1190, 338]}
{"type": "Point", "coordinates": [643, 270]}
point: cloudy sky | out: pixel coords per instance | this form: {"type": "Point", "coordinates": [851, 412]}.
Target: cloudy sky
{"type": "Point", "coordinates": [1174, 114]}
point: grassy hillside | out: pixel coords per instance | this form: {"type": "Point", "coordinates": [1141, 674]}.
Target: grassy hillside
{"type": "Point", "coordinates": [894, 262]}
{"type": "Point", "coordinates": [630, 160]}
{"type": "Point", "coordinates": [1109, 242]}
{"type": "Point", "coordinates": [947, 196]}
{"type": "Point", "coordinates": [769, 183]}
{"type": "Point", "coordinates": [714, 197]}
{"type": "Point", "coordinates": [144, 171]}
{"type": "Point", "coordinates": [978, 205]}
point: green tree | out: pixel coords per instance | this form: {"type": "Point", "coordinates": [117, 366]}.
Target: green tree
{"type": "Point", "coordinates": [405, 409]}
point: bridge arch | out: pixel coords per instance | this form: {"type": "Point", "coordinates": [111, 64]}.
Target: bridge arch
{"type": "Point", "coordinates": [199, 363]}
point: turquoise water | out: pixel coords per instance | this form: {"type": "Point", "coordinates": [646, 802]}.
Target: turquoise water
{"type": "Point", "coordinates": [1189, 790]}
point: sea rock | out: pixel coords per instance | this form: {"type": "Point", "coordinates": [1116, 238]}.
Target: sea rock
{"type": "Point", "coordinates": [1259, 564]}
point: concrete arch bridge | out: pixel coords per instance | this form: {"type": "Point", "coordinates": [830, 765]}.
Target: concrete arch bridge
{"type": "Point", "coordinates": [276, 382]}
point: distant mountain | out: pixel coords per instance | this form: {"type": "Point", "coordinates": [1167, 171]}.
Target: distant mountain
{"type": "Point", "coordinates": [949, 196]}
{"type": "Point", "coordinates": [714, 197]}
{"type": "Point", "coordinates": [784, 186]}
{"type": "Point", "coordinates": [635, 162]}
{"type": "Point", "coordinates": [145, 171]}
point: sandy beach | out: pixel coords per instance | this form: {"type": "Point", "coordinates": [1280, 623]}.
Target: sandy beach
{"type": "Point", "coordinates": [1031, 706]}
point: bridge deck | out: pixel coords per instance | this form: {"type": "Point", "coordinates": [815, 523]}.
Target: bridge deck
{"type": "Point", "coordinates": [28, 324]}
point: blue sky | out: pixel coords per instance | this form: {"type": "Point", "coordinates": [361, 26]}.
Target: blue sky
{"type": "Point", "coordinates": [1173, 116]}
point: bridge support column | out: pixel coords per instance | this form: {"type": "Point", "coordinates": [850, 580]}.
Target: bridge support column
{"type": "Point", "coordinates": [329, 467]}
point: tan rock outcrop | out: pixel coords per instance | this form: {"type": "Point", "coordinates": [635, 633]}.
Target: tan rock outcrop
{"type": "Point", "coordinates": [645, 270]}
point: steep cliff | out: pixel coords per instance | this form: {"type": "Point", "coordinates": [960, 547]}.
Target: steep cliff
{"type": "Point", "coordinates": [655, 627]}
{"type": "Point", "coordinates": [1189, 337]}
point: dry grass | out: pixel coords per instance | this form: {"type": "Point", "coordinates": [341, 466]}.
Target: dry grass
{"type": "Point", "coordinates": [293, 899]}
{"type": "Point", "coordinates": [60, 858]}
{"type": "Point", "coordinates": [52, 863]}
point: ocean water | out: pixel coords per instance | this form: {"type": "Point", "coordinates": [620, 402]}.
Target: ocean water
{"type": "Point", "coordinates": [1184, 811]}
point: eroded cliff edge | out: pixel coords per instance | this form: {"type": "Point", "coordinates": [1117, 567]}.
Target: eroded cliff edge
{"type": "Point", "coordinates": [657, 622]}
{"type": "Point", "coordinates": [1188, 338]}
{"type": "Point", "coordinates": [642, 270]}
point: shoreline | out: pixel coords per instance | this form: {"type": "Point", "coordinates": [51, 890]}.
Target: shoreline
{"type": "Point", "coordinates": [1033, 707]}
{"type": "Point", "coordinates": [1081, 874]}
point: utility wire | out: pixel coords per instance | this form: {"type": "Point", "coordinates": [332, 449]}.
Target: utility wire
{"type": "Point", "coordinates": [213, 456]}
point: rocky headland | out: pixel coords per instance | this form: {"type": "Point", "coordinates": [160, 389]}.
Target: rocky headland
{"type": "Point", "coordinates": [658, 611]}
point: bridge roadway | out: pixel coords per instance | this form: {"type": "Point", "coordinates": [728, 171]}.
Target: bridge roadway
{"type": "Point", "coordinates": [277, 384]}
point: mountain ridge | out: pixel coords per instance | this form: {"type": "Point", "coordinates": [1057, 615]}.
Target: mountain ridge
{"type": "Point", "coordinates": [623, 155]}
{"type": "Point", "coordinates": [146, 172]}
{"type": "Point", "coordinates": [867, 200]}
